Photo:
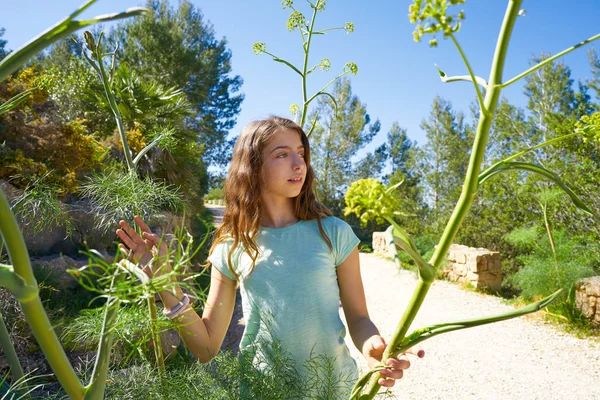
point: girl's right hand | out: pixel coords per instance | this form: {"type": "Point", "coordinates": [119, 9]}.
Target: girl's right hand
{"type": "Point", "coordinates": [141, 250]}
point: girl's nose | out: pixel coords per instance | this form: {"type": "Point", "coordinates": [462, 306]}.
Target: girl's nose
{"type": "Point", "coordinates": [298, 163]}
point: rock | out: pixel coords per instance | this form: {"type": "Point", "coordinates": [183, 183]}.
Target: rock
{"type": "Point", "coordinates": [476, 266]}
{"type": "Point", "coordinates": [55, 269]}
{"type": "Point", "coordinates": [587, 298]}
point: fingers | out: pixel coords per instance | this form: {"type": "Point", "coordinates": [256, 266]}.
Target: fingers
{"type": "Point", "coordinates": [416, 352]}
{"type": "Point", "coordinates": [387, 382]}
{"type": "Point", "coordinates": [126, 239]}
{"type": "Point", "coordinates": [142, 224]}
{"type": "Point", "coordinates": [123, 248]}
{"type": "Point", "coordinates": [131, 232]}
{"type": "Point", "coordinates": [146, 232]}
{"type": "Point", "coordinates": [396, 372]}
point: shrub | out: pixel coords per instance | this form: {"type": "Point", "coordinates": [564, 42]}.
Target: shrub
{"type": "Point", "coordinates": [543, 273]}
{"type": "Point", "coordinates": [214, 194]}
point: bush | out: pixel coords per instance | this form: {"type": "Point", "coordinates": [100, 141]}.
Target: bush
{"type": "Point", "coordinates": [543, 273]}
{"type": "Point", "coordinates": [214, 194]}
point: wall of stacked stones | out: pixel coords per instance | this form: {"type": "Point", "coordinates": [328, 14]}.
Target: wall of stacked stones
{"type": "Point", "coordinates": [482, 268]}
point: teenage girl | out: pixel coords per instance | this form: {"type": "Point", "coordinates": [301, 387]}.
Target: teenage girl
{"type": "Point", "coordinates": [293, 261]}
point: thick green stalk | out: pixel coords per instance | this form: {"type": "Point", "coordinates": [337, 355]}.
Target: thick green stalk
{"type": "Point", "coordinates": [95, 390]}
{"type": "Point", "coordinates": [469, 186]}
{"type": "Point", "coordinates": [306, 51]}
{"type": "Point", "coordinates": [32, 307]}
{"type": "Point", "coordinates": [9, 351]}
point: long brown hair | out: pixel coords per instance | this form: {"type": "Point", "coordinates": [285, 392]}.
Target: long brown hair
{"type": "Point", "coordinates": [242, 190]}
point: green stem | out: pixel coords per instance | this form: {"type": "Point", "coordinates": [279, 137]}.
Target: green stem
{"type": "Point", "coordinates": [325, 87]}
{"type": "Point", "coordinates": [9, 351]}
{"type": "Point", "coordinates": [32, 308]}
{"type": "Point", "coordinates": [306, 51]}
{"type": "Point", "coordinates": [469, 188]}
{"type": "Point", "coordinates": [158, 353]}
{"type": "Point", "coordinates": [113, 106]}
{"type": "Point", "coordinates": [549, 60]}
{"type": "Point", "coordinates": [522, 152]}
{"type": "Point", "coordinates": [471, 74]}
{"type": "Point", "coordinates": [95, 390]}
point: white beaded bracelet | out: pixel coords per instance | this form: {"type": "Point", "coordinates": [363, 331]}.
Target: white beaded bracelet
{"type": "Point", "coordinates": [178, 309]}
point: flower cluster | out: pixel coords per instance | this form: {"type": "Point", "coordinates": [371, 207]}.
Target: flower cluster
{"type": "Point", "coordinates": [430, 17]}
{"type": "Point", "coordinates": [349, 27]}
{"type": "Point", "coordinates": [294, 109]}
{"type": "Point", "coordinates": [370, 200]}
{"type": "Point", "coordinates": [259, 47]}
{"type": "Point", "coordinates": [325, 64]}
{"type": "Point", "coordinates": [589, 126]}
{"type": "Point", "coordinates": [320, 6]}
{"type": "Point", "coordinates": [351, 67]}
{"type": "Point", "coordinates": [296, 20]}
{"type": "Point", "coordinates": [287, 4]}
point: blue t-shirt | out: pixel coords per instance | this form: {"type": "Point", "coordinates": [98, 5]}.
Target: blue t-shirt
{"type": "Point", "coordinates": [292, 297]}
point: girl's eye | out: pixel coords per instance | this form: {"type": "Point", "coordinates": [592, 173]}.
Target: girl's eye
{"type": "Point", "coordinates": [281, 155]}
{"type": "Point", "coordinates": [301, 155]}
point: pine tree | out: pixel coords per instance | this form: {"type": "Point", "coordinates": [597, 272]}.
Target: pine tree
{"type": "Point", "coordinates": [336, 140]}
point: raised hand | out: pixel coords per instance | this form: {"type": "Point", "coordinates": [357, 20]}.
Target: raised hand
{"type": "Point", "coordinates": [141, 249]}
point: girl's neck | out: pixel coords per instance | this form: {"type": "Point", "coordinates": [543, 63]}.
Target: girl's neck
{"type": "Point", "coordinates": [277, 212]}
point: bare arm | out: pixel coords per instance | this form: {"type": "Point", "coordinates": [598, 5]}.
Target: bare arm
{"type": "Point", "coordinates": [363, 331]}
{"type": "Point", "coordinates": [203, 336]}
{"type": "Point", "coordinates": [352, 296]}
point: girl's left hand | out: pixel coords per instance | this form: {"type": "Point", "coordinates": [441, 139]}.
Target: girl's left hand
{"type": "Point", "coordinates": [373, 349]}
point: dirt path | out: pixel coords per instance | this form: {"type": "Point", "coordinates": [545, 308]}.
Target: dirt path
{"type": "Point", "coordinates": [520, 359]}
{"type": "Point", "coordinates": [517, 359]}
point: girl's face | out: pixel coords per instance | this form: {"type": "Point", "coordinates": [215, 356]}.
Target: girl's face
{"type": "Point", "coordinates": [284, 168]}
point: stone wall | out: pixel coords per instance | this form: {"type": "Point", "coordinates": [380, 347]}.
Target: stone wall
{"type": "Point", "coordinates": [587, 298]}
{"type": "Point", "coordinates": [477, 266]}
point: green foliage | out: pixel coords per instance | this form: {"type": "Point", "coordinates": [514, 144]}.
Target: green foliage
{"type": "Point", "coordinates": [430, 16]}
{"type": "Point", "coordinates": [132, 332]}
{"type": "Point", "coordinates": [542, 273]}
{"type": "Point", "coordinates": [369, 200]}
{"type": "Point", "coordinates": [181, 41]}
{"type": "Point", "coordinates": [307, 30]}
{"type": "Point", "coordinates": [590, 125]}
{"type": "Point", "coordinates": [214, 194]}
{"type": "Point", "coordinates": [118, 195]}
{"type": "Point", "coordinates": [444, 159]}
{"type": "Point", "coordinates": [38, 207]}
{"type": "Point", "coordinates": [3, 42]}
{"type": "Point", "coordinates": [226, 377]}
{"type": "Point", "coordinates": [339, 135]}
{"type": "Point", "coordinates": [425, 244]}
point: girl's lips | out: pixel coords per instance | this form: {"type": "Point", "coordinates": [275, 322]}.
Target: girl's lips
{"type": "Point", "coordinates": [295, 181]}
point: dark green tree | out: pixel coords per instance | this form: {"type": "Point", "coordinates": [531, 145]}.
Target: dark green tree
{"type": "Point", "coordinates": [372, 164]}
{"type": "Point", "coordinates": [594, 83]}
{"type": "Point", "coordinates": [444, 158]}
{"type": "Point", "coordinates": [399, 148]}
{"type": "Point", "coordinates": [336, 140]}
{"type": "Point", "coordinates": [3, 51]}
{"type": "Point", "coordinates": [178, 48]}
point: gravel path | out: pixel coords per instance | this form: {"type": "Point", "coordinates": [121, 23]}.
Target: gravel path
{"type": "Point", "coordinates": [518, 359]}
{"type": "Point", "coordinates": [217, 211]}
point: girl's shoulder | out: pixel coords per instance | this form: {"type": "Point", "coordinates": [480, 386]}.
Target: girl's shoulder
{"type": "Point", "coordinates": [333, 222]}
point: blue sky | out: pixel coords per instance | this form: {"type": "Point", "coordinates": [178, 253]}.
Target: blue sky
{"type": "Point", "coordinates": [397, 79]}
